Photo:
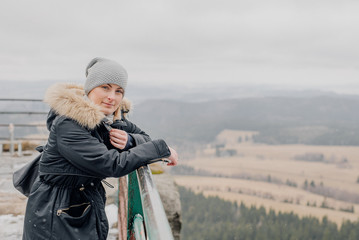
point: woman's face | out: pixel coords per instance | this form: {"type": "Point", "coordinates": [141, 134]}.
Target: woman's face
{"type": "Point", "coordinates": [107, 96]}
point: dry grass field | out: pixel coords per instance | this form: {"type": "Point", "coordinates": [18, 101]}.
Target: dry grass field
{"type": "Point", "coordinates": [269, 167]}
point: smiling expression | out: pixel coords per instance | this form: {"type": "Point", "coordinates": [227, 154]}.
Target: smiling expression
{"type": "Point", "coordinates": [107, 96]}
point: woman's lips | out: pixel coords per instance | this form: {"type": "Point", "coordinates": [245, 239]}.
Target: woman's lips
{"type": "Point", "coordinates": [108, 104]}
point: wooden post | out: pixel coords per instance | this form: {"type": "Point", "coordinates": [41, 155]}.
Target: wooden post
{"type": "Point", "coordinates": [122, 208]}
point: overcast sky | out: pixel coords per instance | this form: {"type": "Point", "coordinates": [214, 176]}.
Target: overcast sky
{"type": "Point", "coordinates": [301, 43]}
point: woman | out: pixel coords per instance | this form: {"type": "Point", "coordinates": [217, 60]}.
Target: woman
{"type": "Point", "coordinates": [90, 139]}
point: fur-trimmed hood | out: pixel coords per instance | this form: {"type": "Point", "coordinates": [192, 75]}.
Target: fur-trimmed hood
{"type": "Point", "coordinates": [69, 100]}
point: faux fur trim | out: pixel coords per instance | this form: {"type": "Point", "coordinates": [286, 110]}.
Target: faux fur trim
{"type": "Point", "coordinates": [68, 100]}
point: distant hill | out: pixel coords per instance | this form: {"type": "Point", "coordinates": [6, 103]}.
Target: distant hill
{"type": "Point", "coordinates": [199, 114]}
{"type": "Point", "coordinates": [315, 120]}
{"type": "Point", "coordinates": [139, 93]}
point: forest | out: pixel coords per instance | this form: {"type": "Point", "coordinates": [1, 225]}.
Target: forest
{"type": "Point", "coordinates": [319, 120]}
{"type": "Point", "coordinates": [212, 218]}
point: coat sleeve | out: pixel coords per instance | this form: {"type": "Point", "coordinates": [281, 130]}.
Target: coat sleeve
{"type": "Point", "coordinates": [87, 153]}
{"type": "Point", "coordinates": [136, 133]}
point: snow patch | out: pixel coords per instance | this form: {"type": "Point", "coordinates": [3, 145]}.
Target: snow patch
{"type": "Point", "coordinates": [11, 227]}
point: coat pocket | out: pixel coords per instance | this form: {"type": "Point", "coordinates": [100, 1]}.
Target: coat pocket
{"type": "Point", "coordinates": [75, 215]}
{"type": "Point", "coordinates": [75, 222]}
{"type": "Point", "coordinates": [74, 210]}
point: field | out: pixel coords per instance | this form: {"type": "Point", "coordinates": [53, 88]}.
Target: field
{"type": "Point", "coordinates": [308, 180]}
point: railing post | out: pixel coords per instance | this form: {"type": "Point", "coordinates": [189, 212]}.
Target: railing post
{"type": "Point", "coordinates": [146, 218]}
{"type": "Point", "coordinates": [122, 208]}
{"type": "Point", "coordinates": [12, 139]}
{"type": "Point", "coordinates": [19, 149]}
{"type": "Point", "coordinates": [156, 222]}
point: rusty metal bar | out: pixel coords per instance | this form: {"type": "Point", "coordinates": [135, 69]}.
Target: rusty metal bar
{"type": "Point", "coordinates": [122, 208]}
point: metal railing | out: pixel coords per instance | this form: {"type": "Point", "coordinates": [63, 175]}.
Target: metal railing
{"type": "Point", "coordinates": [12, 140]}
{"type": "Point", "coordinates": [141, 213]}
{"type": "Point", "coordinates": [21, 100]}
{"type": "Point", "coordinates": [146, 217]}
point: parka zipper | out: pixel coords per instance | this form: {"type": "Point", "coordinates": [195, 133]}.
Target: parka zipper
{"type": "Point", "coordinates": [107, 184]}
{"type": "Point", "coordinates": [63, 210]}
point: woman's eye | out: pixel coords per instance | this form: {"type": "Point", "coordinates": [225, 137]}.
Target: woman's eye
{"type": "Point", "coordinates": [105, 87]}
{"type": "Point", "coordinates": [119, 91]}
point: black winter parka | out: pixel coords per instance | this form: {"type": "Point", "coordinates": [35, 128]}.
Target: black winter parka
{"type": "Point", "coordinates": [68, 200]}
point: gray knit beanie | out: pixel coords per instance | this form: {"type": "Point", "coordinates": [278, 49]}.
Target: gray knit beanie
{"type": "Point", "coordinates": [103, 71]}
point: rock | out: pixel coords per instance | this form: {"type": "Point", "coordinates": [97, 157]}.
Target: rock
{"type": "Point", "coordinates": [171, 201]}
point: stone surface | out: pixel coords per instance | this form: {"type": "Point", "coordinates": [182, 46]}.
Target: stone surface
{"type": "Point", "coordinates": [171, 201]}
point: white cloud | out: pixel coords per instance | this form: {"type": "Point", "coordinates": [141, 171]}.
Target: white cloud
{"type": "Point", "coordinates": [243, 41]}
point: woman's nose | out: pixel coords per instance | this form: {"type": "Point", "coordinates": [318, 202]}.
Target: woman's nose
{"type": "Point", "coordinates": [111, 96]}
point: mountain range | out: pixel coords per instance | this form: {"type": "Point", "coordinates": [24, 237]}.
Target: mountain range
{"type": "Point", "coordinates": [198, 115]}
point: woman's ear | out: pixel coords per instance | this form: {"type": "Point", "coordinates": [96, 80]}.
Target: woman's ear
{"type": "Point", "coordinates": [123, 109]}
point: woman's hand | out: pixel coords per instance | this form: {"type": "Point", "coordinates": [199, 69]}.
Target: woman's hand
{"type": "Point", "coordinates": [173, 158]}
{"type": "Point", "coordinates": [118, 138]}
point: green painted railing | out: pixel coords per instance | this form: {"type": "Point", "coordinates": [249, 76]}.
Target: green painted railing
{"type": "Point", "coordinates": [146, 218]}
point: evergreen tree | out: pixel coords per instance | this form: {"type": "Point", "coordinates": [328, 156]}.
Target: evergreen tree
{"type": "Point", "coordinates": [213, 218]}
